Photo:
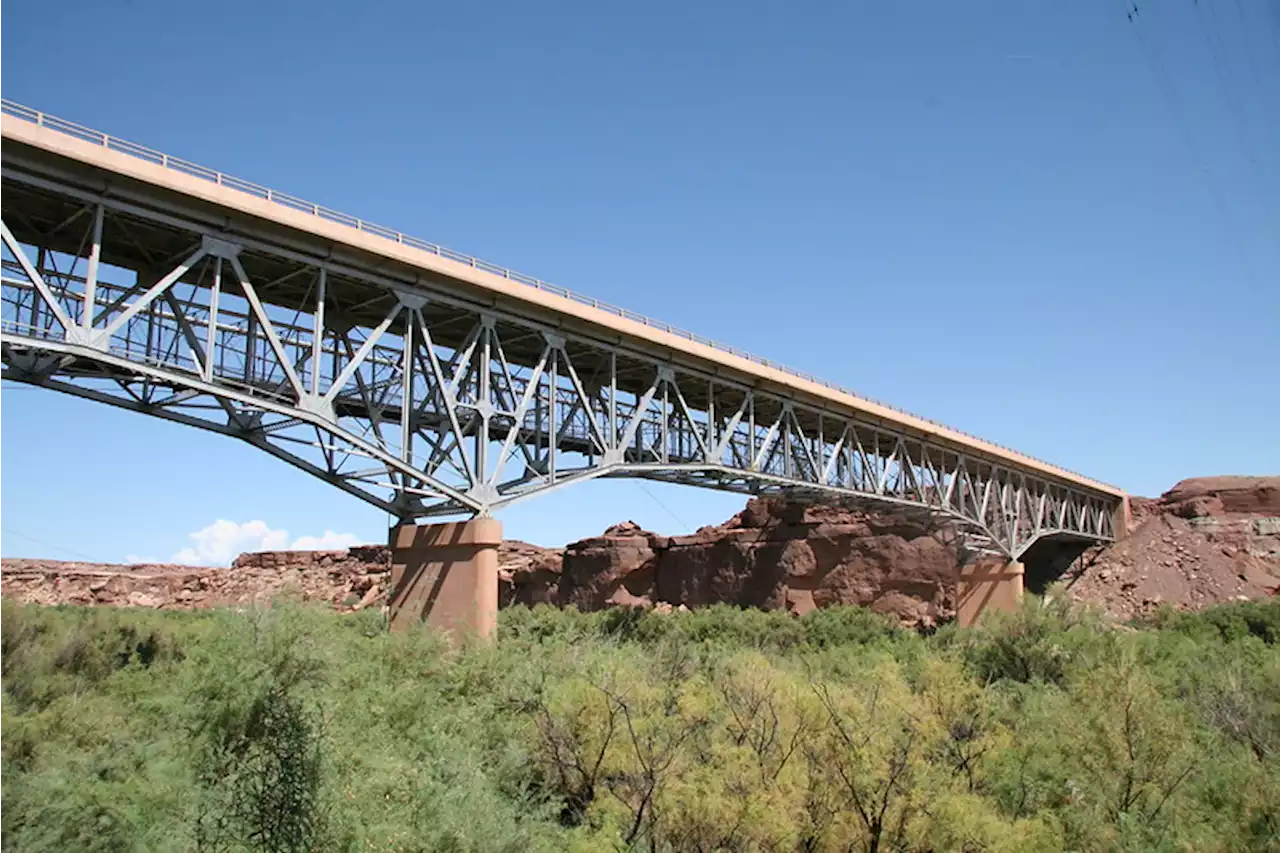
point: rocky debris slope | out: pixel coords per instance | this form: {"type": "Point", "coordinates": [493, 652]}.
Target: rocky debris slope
{"type": "Point", "coordinates": [1205, 541]}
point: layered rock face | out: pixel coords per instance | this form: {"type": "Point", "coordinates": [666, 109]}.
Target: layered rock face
{"type": "Point", "coordinates": [527, 574]}
{"type": "Point", "coordinates": [1205, 541]}
{"type": "Point", "coordinates": [770, 555]}
{"type": "Point", "coordinates": [349, 580]}
{"type": "Point", "coordinates": [773, 555]}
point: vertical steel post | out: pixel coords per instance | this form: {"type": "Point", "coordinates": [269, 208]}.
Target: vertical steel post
{"type": "Point", "coordinates": [788, 462]}
{"type": "Point", "coordinates": [613, 400]}
{"type": "Point", "coordinates": [712, 437]}
{"type": "Point", "coordinates": [483, 400]}
{"type": "Point", "coordinates": [552, 431]}
{"type": "Point", "coordinates": [406, 389]}
{"type": "Point", "coordinates": [91, 277]}
{"type": "Point", "coordinates": [538, 414]}
{"type": "Point", "coordinates": [666, 421]}
{"type": "Point", "coordinates": [250, 346]}
{"type": "Point", "coordinates": [317, 333]}
{"type": "Point", "coordinates": [35, 292]}
{"type": "Point", "coordinates": [211, 334]}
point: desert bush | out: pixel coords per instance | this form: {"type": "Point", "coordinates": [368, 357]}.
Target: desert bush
{"type": "Point", "coordinates": [719, 624]}
{"type": "Point", "coordinates": [1038, 642]}
{"type": "Point", "coordinates": [297, 728]}
{"type": "Point", "coordinates": [255, 725]}
{"type": "Point", "coordinates": [1227, 622]}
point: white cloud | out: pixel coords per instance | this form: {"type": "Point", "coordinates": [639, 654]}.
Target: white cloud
{"type": "Point", "coordinates": [223, 541]}
{"type": "Point", "coordinates": [330, 541]}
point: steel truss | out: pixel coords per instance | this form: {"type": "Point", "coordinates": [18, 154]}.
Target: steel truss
{"type": "Point", "coordinates": [425, 403]}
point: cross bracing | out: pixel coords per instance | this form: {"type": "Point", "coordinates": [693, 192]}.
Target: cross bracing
{"type": "Point", "coordinates": [425, 400]}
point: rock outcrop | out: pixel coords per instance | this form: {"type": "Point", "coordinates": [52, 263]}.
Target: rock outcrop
{"type": "Point", "coordinates": [773, 555]}
{"type": "Point", "coordinates": [349, 580]}
{"type": "Point", "coordinates": [1205, 541]}
{"type": "Point", "coordinates": [527, 574]}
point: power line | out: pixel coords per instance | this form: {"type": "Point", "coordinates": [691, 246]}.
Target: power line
{"type": "Point", "coordinates": [37, 541]}
{"type": "Point", "coordinates": [1271, 120]}
{"type": "Point", "coordinates": [1175, 114]}
{"type": "Point", "coordinates": [679, 520]}
{"type": "Point", "coordinates": [1251, 55]}
{"type": "Point", "coordinates": [1217, 52]}
{"type": "Point", "coordinates": [1171, 100]}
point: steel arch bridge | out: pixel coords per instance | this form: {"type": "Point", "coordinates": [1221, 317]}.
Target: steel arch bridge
{"type": "Point", "coordinates": [429, 383]}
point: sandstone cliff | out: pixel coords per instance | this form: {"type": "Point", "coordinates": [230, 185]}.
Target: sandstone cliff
{"type": "Point", "coordinates": [1205, 541]}
{"type": "Point", "coordinates": [350, 580]}
{"type": "Point", "coordinates": [773, 554]}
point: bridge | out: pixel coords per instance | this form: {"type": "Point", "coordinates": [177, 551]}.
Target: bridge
{"type": "Point", "coordinates": [434, 385]}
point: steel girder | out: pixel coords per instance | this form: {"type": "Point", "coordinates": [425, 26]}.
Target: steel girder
{"type": "Point", "coordinates": [425, 403]}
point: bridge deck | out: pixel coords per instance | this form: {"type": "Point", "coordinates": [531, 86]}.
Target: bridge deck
{"type": "Point", "coordinates": [122, 170]}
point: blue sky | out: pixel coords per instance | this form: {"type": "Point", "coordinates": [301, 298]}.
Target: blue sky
{"type": "Point", "coordinates": [1042, 223]}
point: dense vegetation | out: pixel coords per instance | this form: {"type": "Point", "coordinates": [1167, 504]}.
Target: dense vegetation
{"type": "Point", "coordinates": [293, 728]}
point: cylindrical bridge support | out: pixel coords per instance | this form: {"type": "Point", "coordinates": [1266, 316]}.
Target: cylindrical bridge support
{"type": "Point", "coordinates": [984, 586]}
{"type": "Point", "coordinates": [445, 576]}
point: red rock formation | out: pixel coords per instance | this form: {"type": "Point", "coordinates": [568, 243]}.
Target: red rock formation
{"type": "Point", "coordinates": [527, 574]}
{"type": "Point", "coordinates": [349, 580]}
{"type": "Point", "coordinates": [1205, 496]}
{"type": "Point", "coordinates": [1205, 541]}
{"type": "Point", "coordinates": [616, 567]}
{"type": "Point", "coordinates": [772, 555]}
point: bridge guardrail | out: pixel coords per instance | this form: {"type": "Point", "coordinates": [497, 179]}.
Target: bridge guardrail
{"type": "Point", "coordinates": [133, 149]}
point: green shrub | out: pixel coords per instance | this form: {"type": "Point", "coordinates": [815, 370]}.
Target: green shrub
{"type": "Point", "coordinates": [50, 653]}
{"type": "Point", "coordinates": [1038, 642]}
{"type": "Point", "coordinates": [256, 729]}
{"type": "Point", "coordinates": [1228, 622]}
{"type": "Point", "coordinates": [291, 728]}
{"type": "Point", "coordinates": [719, 624]}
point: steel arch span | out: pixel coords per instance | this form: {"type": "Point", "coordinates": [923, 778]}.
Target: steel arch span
{"type": "Point", "coordinates": [404, 377]}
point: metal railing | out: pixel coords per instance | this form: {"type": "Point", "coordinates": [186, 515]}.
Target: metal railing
{"type": "Point", "coordinates": [186, 167]}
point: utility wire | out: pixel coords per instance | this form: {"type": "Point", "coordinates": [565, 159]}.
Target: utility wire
{"type": "Point", "coordinates": [1218, 54]}
{"type": "Point", "coordinates": [1133, 13]}
{"type": "Point", "coordinates": [1171, 100]}
{"type": "Point", "coordinates": [20, 535]}
{"type": "Point", "coordinates": [1254, 62]}
{"type": "Point", "coordinates": [679, 520]}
